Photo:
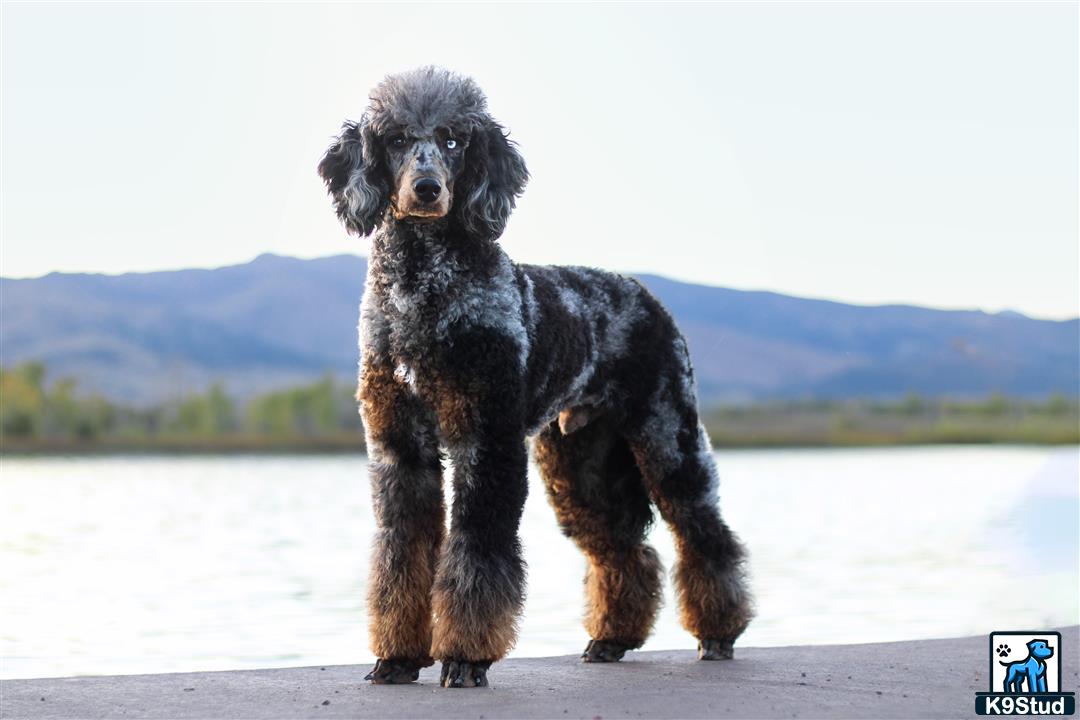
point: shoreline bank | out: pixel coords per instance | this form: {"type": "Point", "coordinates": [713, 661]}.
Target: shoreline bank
{"type": "Point", "coordinates": [353, 446]}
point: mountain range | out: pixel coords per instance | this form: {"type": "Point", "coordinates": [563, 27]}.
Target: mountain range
{"type": "Point", "coordinates": [277, 321]}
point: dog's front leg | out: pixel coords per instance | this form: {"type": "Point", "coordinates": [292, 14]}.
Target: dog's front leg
{"type": "Point", "coordinates": [1034, 685]}
{"type": "Point", "coordinates": [479, 588]}
{"type": "Point", "coordinates": [406, 478]}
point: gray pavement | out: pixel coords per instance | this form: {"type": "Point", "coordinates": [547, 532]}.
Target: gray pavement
{"type": "Point", "coordinates": [924, 678]}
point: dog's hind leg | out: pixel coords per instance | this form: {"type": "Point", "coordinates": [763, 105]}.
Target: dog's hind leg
{"type": "Point", "coordinates": [1010, 678]}
{"type": "Point", "coordinates": [406, 477]}
{"type": "Point", "coordinates": [675, 458]}
{"type": "Point", "coordinates": [600, 502]}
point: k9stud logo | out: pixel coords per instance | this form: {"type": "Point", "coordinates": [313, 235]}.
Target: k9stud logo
{"type": "Point", "coordinates": [1025, 676]}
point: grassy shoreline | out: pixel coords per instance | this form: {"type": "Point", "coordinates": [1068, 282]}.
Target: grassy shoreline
{"type": "Point", "coordinates": [42, 418]}
{"type": "Point", "coordinates": [349, 444]}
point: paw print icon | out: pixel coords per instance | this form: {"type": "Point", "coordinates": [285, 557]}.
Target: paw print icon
{"type": "Point", "coordinates": [1003, 650]}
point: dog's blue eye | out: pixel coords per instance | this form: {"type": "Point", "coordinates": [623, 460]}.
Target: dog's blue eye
{"type": "Point", "coordinates": [451, 143]}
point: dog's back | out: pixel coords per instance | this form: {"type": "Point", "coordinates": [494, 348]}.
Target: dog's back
{"type": "Point", "coordinates": [591, 336]}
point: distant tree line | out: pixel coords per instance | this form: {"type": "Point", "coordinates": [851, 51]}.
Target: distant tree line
{"type": "Point", "coordinates": [913, 419]}
{"type": "Point", "coordinates": [39, 415]}
{"type": "Point", "coordinates": [33, 409]}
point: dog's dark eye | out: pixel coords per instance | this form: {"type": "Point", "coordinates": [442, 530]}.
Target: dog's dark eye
{"type": "Point", "coordinates": [451, 143]}
{"type": "Point", "coordinates": [397, 141]}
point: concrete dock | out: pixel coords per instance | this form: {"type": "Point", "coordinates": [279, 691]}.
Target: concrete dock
{"type": "Point", "coordinates": [918, 679]}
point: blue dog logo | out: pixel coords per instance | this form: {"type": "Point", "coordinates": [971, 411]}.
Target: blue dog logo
{"type": "Point", "coordinates": [1027, 686]}
{"type": "Point", "coordinates": [1030, 670]}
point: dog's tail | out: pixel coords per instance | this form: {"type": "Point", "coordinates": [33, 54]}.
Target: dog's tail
{"type": "Point", "coordinates": [1003, 663]}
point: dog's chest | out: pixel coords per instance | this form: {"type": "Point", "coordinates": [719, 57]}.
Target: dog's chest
{"type": "Point", "coordinates": [424, 299]}
{"type": "Point", "coordinates": [426, 307]}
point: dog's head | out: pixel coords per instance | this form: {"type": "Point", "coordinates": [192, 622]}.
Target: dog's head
{"type": "Point", "coordinates": [425, 149]}
{"type": "Point", "coordinates": [1040, 649]}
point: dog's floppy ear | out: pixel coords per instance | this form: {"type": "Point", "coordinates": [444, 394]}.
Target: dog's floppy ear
{"type": "Point", "coordinates": [354, 176]}
{"type": "Point", "coordinates": [492, 179]}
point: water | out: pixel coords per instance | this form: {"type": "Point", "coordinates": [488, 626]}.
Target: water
{"type": "Point", "coordinates": [156, 564]}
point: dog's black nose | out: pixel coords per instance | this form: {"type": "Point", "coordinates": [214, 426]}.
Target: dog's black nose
{"type": "Point", "coordinates": [427, 189]}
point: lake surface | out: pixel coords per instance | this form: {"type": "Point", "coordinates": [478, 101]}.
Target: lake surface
{"type": "Point", "coordinates": [154, 564]}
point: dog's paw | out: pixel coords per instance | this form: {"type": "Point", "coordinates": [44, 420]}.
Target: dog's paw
{"type": "Point", "coordinates": [393, 672]}
{"type": "Point", "coordinates": [598, 651]}
{"type": "Point", "coordinates": [463, 673]}
{"type": "Point", "coordinates": [715, 649]}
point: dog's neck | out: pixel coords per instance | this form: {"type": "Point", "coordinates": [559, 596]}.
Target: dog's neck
{"type": "Point", "coordinates": [407, 254]}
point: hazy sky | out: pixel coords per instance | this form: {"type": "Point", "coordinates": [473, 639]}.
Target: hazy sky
{"type": "Point", "coordinates": [922, 153]}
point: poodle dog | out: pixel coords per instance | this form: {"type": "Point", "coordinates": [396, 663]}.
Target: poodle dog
{"type": "Point", "coordinates": [465, 350]}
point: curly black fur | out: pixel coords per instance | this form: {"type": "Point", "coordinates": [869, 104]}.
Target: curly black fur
{"type": "Point", "coordinates": [463, 348]}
